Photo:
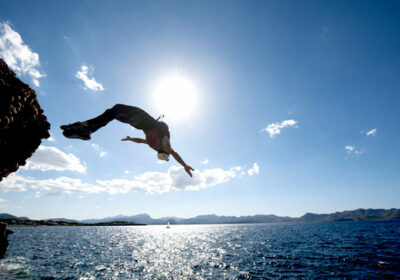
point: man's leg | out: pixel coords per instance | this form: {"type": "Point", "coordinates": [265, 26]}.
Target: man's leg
{"type": "Point", "coordinates": [100, 121]}
{"type": "Point", "coordinates": [120, 112]}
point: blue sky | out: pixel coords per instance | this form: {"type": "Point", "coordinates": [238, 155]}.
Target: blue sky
{"type": "Point", "coordinates": [297, 106]}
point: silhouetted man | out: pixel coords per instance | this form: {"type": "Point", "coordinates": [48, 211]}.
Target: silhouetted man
{"type": "Point", "coordinates": [157, 132]}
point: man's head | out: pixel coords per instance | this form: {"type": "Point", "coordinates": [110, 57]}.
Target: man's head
{"type": "Point", "coordinates": [163, 156]}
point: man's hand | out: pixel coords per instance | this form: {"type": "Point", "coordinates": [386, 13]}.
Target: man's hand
{"type": "Point", "coordinates": [166, 146]}
{"type": "Point", "coordinates": [188, 169]}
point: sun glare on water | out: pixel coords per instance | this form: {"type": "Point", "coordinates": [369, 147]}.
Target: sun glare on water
{"type": "Point", "coordinates": [175, 97]}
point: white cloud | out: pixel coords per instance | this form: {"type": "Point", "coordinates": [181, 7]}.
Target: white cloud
{"type": "Point", "coordinates": [95, 146]}
{"type": "Point", "coordinates": [174, 179]}
{"type": "Point", "coordinates": [275, 128]}
{"type": "Point", "coordinates": [372, 132]}
{"type": "Point", "coordinates": [254, 170]}
{"type": "Point", "coordinates": [18, 55]}
{"type": "Point", "coordinates": [99, 149]}
{"type": "Point", "coordinates": [126, 171]}
{"type": "Point", "coordinates": [51, 158]}
{"type": "Point", "coordinates": [51, 138]}
{"type": "Point", "coordinates": [90, 83]}
{"type": "Point", "coordinates": [61, 185]}
{"type": "Point", "coordinates": [351, 149]}
{"type": "Point", "coordinates": [206, 161]}
{"type": "Point", "coordinates": [2, 203]}
{"type": "Point", "coordinates": [359, 152]}
{"type": "Point", "coordinates": [149, 182]}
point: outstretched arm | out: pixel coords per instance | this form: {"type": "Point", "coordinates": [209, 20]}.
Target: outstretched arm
{"type": "Point", "coordinates": [167, 148]}
{"type": "Point", "coordinates": [136, 140]}
{"type": "Point", "coordinates": [178, 158]}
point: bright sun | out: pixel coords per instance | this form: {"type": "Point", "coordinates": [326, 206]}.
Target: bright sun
{"type": "Point", "coordinates": [175, 97]}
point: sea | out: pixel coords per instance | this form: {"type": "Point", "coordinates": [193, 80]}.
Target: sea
{"type": "Point", "coordinates": [337, 250]}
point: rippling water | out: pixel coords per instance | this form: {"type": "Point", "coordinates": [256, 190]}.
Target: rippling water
{"type": "Point", "coordinates": [346, 250]}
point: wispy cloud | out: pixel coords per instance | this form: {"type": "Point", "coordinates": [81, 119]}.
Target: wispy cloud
{"type": "Point", "coordinates": [174, 179]}
{"type": "Point", "coordinates": [204, 162]}
{"type": "Point", "coordinates": [51, 138]}
{"type": "Point", "coordinates": [149, 182]}
{"type": "Point", "coordinates": [51, 158]}
{"type": "Point", "coordinates": [18, 55]}
{"type": "Point", "coordinates": [99, 149]}
{"type": "Point", "coordinates": [90, 83]}
{"type": "Point", "coordinates": [95, 146]}
{"type": "Point", "coordinates": [61, 185]}
{"type": "Point", "coordinates": [275, 128]}
{"type": "Point", "coordinates": [351, 149]}
{"type": "Point", "coordinates": [372, 132]}
{"type": "Point", "coordinates": [254, 170]}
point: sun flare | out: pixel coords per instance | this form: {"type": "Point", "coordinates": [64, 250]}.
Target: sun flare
{"type": "Point", "coordinates": [175, 97]}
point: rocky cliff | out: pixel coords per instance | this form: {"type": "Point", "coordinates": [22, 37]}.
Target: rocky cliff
{"type": "Point", "coordinates": [22, 122]}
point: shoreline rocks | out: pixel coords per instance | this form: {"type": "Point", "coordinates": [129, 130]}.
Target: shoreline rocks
{"type": "Point", "coordinates": [4, 232]}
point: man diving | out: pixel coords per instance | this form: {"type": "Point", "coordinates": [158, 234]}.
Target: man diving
{"type": "Point", "coordinates": [156, 132]}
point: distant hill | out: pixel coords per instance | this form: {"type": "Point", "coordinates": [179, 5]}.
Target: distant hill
{"type": "Point", "coordinates": [140, 219]}
{"type": "Point", "coordinates": [6, 216]}
{"type": "Point", "coordinates": [353, 215]}
{"type": "Point", "coordinates": [214, 219]}
{"type": "Point", "coordinates": [62, 220]}
{"type": "Point", "coordinates": [203, 219]}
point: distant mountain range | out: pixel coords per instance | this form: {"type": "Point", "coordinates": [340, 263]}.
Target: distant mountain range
{"type": "Point", "coordinates": [6, 216]}
{"type": "Point", "coordinates": [354, 215]}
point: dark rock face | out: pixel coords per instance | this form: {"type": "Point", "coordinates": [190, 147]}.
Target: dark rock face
{"type": "Point", "coordinates": [4, 232]}
{"type": "Point", "coordinates": [22, 122]}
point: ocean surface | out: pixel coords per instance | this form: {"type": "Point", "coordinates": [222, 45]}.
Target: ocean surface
{"type": "Point", "coordinates": [340, 250]}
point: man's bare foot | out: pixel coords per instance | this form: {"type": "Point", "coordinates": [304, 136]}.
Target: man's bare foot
{"type": "Point", "coordinates": [77, 130]}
